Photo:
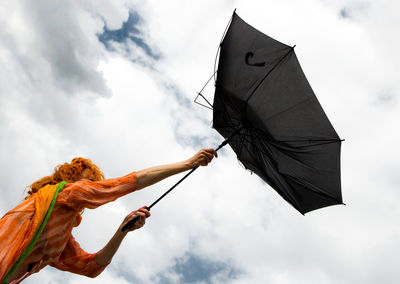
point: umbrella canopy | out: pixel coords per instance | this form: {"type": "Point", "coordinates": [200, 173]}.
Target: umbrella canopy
{"type": "Point", "coordinates": [278, 129]}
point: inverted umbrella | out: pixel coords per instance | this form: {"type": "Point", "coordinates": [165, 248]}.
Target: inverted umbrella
{"type": "Point", "coordinates": [270, 116]}
{"type": "Point", "coordinates": [283, 134]}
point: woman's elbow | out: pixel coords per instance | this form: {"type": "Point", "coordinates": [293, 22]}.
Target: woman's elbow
{"type": "Point", "coordinates": [94, 274]}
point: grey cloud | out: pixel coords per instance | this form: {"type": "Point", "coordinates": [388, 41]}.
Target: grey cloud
{"type": "Point", "coordinates": [353, 8]}
{"type": "Point", "coordinates": [385, 97]}
{"type": "Point", "coordinates": [193, 269]}
{"type": "Point", "coordinates": [130, 41]}
{"type": "Point", "coordinates": [129, 32]}
{"type": "Point", "coordinates": [185, 115]}
{"type": "Point", "coordinates": [62, 48]}
{"type": "Point", "coordinates": [49, 57]}
{"type": "Point", "coordinates": [344, 13]}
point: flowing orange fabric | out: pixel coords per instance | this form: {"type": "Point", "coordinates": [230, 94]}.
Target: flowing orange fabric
{"type": "Point", "coordinates": [56, 245]}
{"type": "Point", "coordinates": [16, 243]}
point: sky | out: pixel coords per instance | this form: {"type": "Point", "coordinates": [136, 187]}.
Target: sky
{"type": "Point", "coordinates": [115, 81]}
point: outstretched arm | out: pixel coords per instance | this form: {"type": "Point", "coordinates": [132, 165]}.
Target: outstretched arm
{"type": "Point", "coordinates": [92, 194]}
{"type": "Point", "coordinates": [74, 259]}
{"type": "Point", "coordinates": [153, 175]}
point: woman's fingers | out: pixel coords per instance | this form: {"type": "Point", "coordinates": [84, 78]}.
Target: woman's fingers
{"type": "Point", "coordinates": [206, 156]}
{"type": "Point", "coordinates": [210, 152]}
{"type": "Point", "coordinates": [143, 213]}
{"type": "Point", "coordinates": [213, 152]}
{"type": "Point", "coordinates": [141, 220]}
{"type": "Point", "coordinates": [203, 157]}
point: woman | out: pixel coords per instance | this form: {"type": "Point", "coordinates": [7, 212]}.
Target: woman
{"type": "Point", "coordinates": [86, 188]}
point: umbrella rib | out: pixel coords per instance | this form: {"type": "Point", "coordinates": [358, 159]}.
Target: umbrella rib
{"type": "Point", "coordinates": [242, 138]}
{"type": "Point", "coordinates": [312, 188]}
{"type": "Point", "coordinates": [323, 141]}
{"type": "Point", "coordinates": [256, 153]}
{"type": "Point", "coordinates": [232, 125]}
{"type": "Point", "coordinates": [306, 184]}
{"type": "Point", "coordinates": [289, 108]}
{"type": "Point", "coordinates": [246, 146]}
{"type": "Point", "coordinates": [291, 150]}
{"type": "Point", "coordinates": [251, 152]}
{"type": "Point", "coordinates": [269, 72]}
{"type": "Point", "coordinates": [257, 163]}
{"type": "Point", "coordinates": [226, 113]}
{"type": "Point", "coordinates": [291, 157]}
{"type": "Point", "coordinates": [286, 195]}
{"type": "Point", "coordinates": [261, 147]}
{"type": "Point", "coordinates": [265, 148]}
{"type": "Point", "coordinates": [228, 118]}
{"type": "Point", "coordinates": [219, 46]}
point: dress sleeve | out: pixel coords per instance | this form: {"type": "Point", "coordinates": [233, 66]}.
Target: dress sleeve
{"type": "Point", "coordinates": [92, 194]}
{"type": "Point", "coordinates": [74, 259]}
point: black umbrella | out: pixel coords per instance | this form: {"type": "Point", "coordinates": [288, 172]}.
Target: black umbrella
{"type": "Point", "coordinates": [283, 134]}
{"type": "Point", "coordinates": [270, 116]}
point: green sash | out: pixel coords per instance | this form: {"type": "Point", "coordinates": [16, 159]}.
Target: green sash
{"type": "Point", "coordinates": [30, 246]}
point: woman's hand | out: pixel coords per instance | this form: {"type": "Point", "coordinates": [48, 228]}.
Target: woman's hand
{"type": "Point", "coordinates": [202, 158]}
{"type": "Point", "coordinates": [142, 212]}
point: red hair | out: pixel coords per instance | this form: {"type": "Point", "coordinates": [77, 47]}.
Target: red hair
{"type": "Point", "coordinates": [69, 172]}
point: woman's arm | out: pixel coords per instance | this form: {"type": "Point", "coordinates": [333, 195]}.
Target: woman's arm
{"type": "Point", "coordinates": [105, 255]}
{"type": "Point", "coordinates": [92, 194]}
{"type": "Point", "coordinates": [74, 259]}
{"type": "Point", "coordinates": [145, 178]}
{"type": "Point", "coordinates": [153, 175]}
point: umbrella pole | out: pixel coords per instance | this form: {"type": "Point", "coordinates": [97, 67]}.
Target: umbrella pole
{"type": "Point", "coordinates": [227, 140]}
{"type": "Point", "coordinates": [136, 217]}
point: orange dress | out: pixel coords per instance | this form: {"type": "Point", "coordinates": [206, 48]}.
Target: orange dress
{"type": "Point", "coordinates": [56, 246]}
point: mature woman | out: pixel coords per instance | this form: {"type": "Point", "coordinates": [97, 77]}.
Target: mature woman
{"type": "Point", "coordinates": [86, 188]}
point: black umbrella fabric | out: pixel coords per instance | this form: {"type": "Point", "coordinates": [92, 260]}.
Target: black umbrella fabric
{"type": "Point", "coordinates": [278, 129]}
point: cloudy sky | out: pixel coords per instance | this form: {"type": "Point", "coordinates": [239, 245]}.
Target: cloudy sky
{"type": "Point", "coordinates": [115, 81]}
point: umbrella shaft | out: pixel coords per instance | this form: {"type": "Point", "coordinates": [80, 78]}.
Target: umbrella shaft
{"type": "Point", "coordinates": [175, 185]}
{"type": "Point", "coordinates": [136, 217]}
{"type": "Point", "coordinates": [227, 140]}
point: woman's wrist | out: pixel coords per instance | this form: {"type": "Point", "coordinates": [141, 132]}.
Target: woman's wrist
{"type": "Point", "coordinates": [105, 255]}
{"type": "Point", "coordinates": [119, 234]}
{"type": "Point", "coordinates": [188, 165]}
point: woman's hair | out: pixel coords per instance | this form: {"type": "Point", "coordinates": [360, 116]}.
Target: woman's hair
{"type": "Point", "coordinates": [69, 172]}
